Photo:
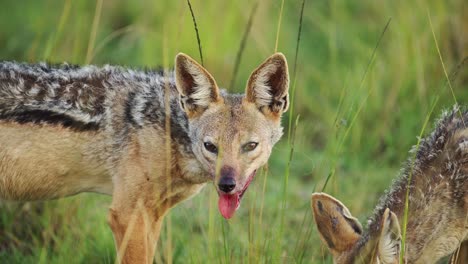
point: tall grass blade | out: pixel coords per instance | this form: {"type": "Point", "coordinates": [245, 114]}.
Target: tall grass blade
{"type": "Point", "coordinates": [344, 91]}
{"type": "Point", "coordinates": [299, 31]}
{"type": "Point", "coordinates": [196, 32]}
{"type": "Point", "coordinates": [168, 144]}
{"type": "Point", "coordinates": [449, 83]}
{"type": "Point", "coordinates": [92, 37]}
{"type": "Point", "coordinates": [242, 45]}
{"type": "Point", "coordinates": [293, 88]}
{"type": "Point", "coordinates": [117, 33]}
{"type": "Point", "coordinates": [63, 18]}
{"type": "Point", "coordinates": [278, 29]}
{"type": "Point", "coordinates": [410, 176]}
{"type": "Point", "coordinates": [291, 130]}
{"type": "Point", "coordinates": [440, 58]}
{"type": "Point", "coordinates": [369, 64]}
{"type": "Point", "coordinates": [286, 181]}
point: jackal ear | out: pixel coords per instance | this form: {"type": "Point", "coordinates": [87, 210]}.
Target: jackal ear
{"type": "Point", "coordinates": [196, 87]}
{"type": "Point", "coordinates": [268, 86]}
{"type": "Point", "coordinates": [338, 229]}
{"type": "Point", "coordinates": [390, 239]}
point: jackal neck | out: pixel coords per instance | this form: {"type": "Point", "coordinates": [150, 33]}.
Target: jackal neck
{"type": "Point", "coordinates": [429, 163]}
{"type": "Point", "coordinates": [436, 172]}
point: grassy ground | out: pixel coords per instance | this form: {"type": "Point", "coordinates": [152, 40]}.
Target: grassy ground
{"type": "Point", "coordinates": [359, 113]}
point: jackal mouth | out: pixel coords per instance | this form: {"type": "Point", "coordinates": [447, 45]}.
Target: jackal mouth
{"type": "Point", "coordinates": [229, 203]}
{"type": "Point", "coordinates": [247, 183]}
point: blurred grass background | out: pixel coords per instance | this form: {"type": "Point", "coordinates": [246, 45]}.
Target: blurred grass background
{"type": "Point", "coordinates": [338, 38]}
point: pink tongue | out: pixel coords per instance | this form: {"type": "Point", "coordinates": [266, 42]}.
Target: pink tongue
{"type": "Point", "coordinates": [228, 204]}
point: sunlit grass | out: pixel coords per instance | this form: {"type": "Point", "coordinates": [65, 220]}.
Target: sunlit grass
{"type": "Point", "coordinates": [357, 129]}
{"type": "Point", "coordinates": [406, 211]}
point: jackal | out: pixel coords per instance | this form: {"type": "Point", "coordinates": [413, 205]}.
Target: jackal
{"type": "Point", "coordinates": [438, 205]}
{"type": "Point", "coordinates": [151, 140]}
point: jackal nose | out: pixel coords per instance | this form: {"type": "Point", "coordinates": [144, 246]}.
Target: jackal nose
{"type": "Point", "coordinates": [227, 184]}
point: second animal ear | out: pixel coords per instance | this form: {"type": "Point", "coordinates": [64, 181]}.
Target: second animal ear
{"type": "Point", "coordinates": [338, 229]}
{"type": "Point", "coordinates": [390, 239]}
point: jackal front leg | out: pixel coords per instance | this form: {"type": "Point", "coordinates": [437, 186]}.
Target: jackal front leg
{"type": "Point", "coordinates": [134, 217]}
{"type": "Point", "coordinates": [136, 230]}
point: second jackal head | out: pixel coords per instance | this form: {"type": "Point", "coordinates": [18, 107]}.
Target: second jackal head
{"type": "Point", "coordinates": [233, 135]}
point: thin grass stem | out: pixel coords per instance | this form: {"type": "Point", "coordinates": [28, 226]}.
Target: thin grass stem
{"type": "Point", "coordinates": [240, 51]}
{"type": "Point", "coordinates": [278, 29]}
{"type": "Point", "coordinates": [408, 187]}
{"type": "Point", "coordinates": [369, 64]}
{"type": "Point", "coordinates": [196, 32]}
{"type": "Point", "coordinates": [63, 18]}
{"type": "Point", "coordinates": [449, 83]}
{"type": "Point", "coordinates": [94, 28]}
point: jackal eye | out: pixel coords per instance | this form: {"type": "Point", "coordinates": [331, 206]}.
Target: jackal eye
{"type": "Point", "coordinates": [250, 146]}
{"type": "Point", "coordinates": [211, 147]}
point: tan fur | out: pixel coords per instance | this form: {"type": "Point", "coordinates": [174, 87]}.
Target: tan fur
{"type": "Point", "coordinates": [145, 168]}
{"type": "Point", "coordinates": [143, 194]}
{"type": "Point", "coordinates": [70, 165]}
{"type": "Point", "coordinates": [141, 191]}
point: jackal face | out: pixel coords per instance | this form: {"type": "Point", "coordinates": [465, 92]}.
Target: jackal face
{"type": "Point", "coordinates": [343, 235]}
{"type": "Point", "coordinates": [233, 135]}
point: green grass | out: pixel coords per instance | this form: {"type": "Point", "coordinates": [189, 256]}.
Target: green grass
{"type": "Point", "coordinates": [359, 113]}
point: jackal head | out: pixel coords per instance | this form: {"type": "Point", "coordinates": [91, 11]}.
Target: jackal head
{"type": "Point", "coordinates": [344, 237]}
{"type": "Point", "coordinates": [233, 135]}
